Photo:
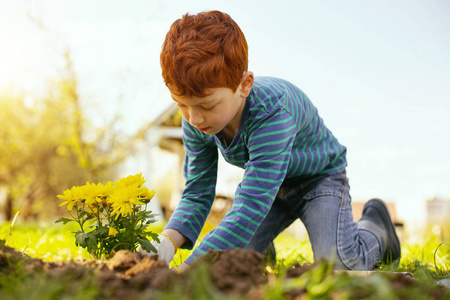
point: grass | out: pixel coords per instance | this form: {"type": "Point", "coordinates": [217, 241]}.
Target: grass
{"type": "Point", "coordinates": [426, 258]}
{"type": "Point", "coordinates": [50, 242]}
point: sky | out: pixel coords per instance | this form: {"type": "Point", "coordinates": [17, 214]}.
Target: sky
{"type": "Point", "coordinates": [378, 71]}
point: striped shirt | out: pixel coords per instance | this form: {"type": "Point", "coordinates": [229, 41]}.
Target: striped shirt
{"type": "Point", "coordinates": [281, 136]}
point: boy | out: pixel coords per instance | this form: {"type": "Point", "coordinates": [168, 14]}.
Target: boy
{"type": "Point", "coordinates": [294, 166]}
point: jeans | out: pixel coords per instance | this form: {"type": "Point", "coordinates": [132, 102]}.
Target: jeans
{"type": "Point", "coordinates": [323, 204]}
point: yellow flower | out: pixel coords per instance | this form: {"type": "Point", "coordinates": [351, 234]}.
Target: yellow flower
{"type": "Point", "coordinates": [87, 192]}
{"type": "Point", "coordinates": [130, 180]}
{"type": "Point", "coordinates": [146, 194]}
{"type": "Point", "coordinates": [96, 192]}
{"type": "Point", "coordinates": [112, 231]}
{"type": "Point", "coordinates": [104, 191]}
{"type": "Point", "coordinates": [123, 198]}
{"type": "Point", "coordinates": [71, 197]}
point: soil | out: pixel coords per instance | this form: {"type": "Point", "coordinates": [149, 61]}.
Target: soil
{"type": "Point", "coordinates": [130, 275]}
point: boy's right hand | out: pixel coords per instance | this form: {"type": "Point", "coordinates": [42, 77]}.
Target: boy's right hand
{"type": "Point", "coordinates": [165, 249]}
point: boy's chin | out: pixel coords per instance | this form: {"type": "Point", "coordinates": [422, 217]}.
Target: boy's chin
{"type": "Point", "coordinates": [210, 132]}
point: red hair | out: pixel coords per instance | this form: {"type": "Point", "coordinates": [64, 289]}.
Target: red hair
{"type": "Point", "coordinates": [203, 51]}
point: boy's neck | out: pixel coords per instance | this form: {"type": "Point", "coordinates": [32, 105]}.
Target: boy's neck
{"type": "Point", "coordinates": [229, 131]}
{"type": "Point", "coordinates": [228, 136]}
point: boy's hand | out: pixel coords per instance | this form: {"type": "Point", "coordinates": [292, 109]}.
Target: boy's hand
{"type": "Point", "coordinates": [165, 250]}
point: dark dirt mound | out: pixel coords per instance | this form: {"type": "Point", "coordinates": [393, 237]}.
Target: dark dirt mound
{"type": "Point", "coordinates": [127, 274]}
{"type": "Point", "coordinates": [235, 271]}
{"type": "Point", "coordinates": [124, 276]}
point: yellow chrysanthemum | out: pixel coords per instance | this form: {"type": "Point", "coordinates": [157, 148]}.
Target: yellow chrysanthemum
{"type": "Point", "coordinates": [123, 199]}
{"type": "Point", "coordinates": [87, 192]}
{"type": "Point", "coordinates": [112, 231]}
{"type": "Point", "coordinates": [104, 191]}
{"type": "Point", "coordinates": [130, 180]}
{"type": "Point", "coordinates": [146, 194]}
{"type": "Point", "coordinates": [93, 193]}
{"type": "Point", "coordinates": [71, 197]}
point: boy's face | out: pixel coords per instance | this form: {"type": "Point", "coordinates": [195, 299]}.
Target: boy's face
{"type": "Point", "coordinates": [220, 111]}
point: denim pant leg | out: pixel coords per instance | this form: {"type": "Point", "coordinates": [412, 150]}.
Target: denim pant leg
{"type": "Point", "coordinates": [327, 215]}
{"type": "Point", "coordinates": [323, 204]}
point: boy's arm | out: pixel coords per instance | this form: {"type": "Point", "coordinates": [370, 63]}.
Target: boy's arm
{"type": "Point", "coordinates": [200, 171]}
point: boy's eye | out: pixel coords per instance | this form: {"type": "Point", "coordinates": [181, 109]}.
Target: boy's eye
{"type": "Point", "coordinates": [208, 107]}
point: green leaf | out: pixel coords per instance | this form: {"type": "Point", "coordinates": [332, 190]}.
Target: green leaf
{"type": "Point", "coordinates": [83, 213]}
{"type": "Point", "coordinates": [148, 214]}
{"type": "Point", "coordinates": [64, 220]}
{"type": "Point", "coordinates": [80, 239]}
{"type": "Point", "coordinates": [154, 236]}
{"type": "Point", "coordinates": [92, 242]}
{"type": "Point", "coordinates": [88, 217]}
{"type": "Point", "coordinates": [146, 245]}
{"type": "Point", "coordinates": [150, 221]}
{"type": "Point", "coordinates": [100, 231]}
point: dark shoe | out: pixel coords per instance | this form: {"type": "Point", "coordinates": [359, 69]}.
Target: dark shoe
{"type": "Point", "coordinates": [376, 220]}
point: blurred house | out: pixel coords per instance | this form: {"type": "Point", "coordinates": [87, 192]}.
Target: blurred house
{"type": "Point", "coordinates": [166, 132]}
{"type": "Point", "coordinates": [438, 211]}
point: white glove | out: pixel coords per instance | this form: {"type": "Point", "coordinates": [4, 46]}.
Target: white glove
{"type": "Point", "coordinates": [165, 250]}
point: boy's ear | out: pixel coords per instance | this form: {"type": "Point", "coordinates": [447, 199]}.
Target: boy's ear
{"type": "Point", "coordinates": [246, 84]}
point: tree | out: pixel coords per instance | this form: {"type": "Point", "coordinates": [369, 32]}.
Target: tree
{"type": "Point", "coordinates": [48, 145]}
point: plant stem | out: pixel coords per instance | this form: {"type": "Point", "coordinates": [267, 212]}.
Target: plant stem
{"type": "Point", "coordinates": [78, 219]}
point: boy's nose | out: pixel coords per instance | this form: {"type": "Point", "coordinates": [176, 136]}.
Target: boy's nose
{"type": "Point", "coordinates": [195, 117]}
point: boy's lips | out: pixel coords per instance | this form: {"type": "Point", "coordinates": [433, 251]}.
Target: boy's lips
{"type": "Point", "coordinates": [204, 128]}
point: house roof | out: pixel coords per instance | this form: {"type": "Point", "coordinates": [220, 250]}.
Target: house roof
{"type": "Point", "coordinates": [170, 117]}
{"type": "Point", "coordinates": [167, 125]}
